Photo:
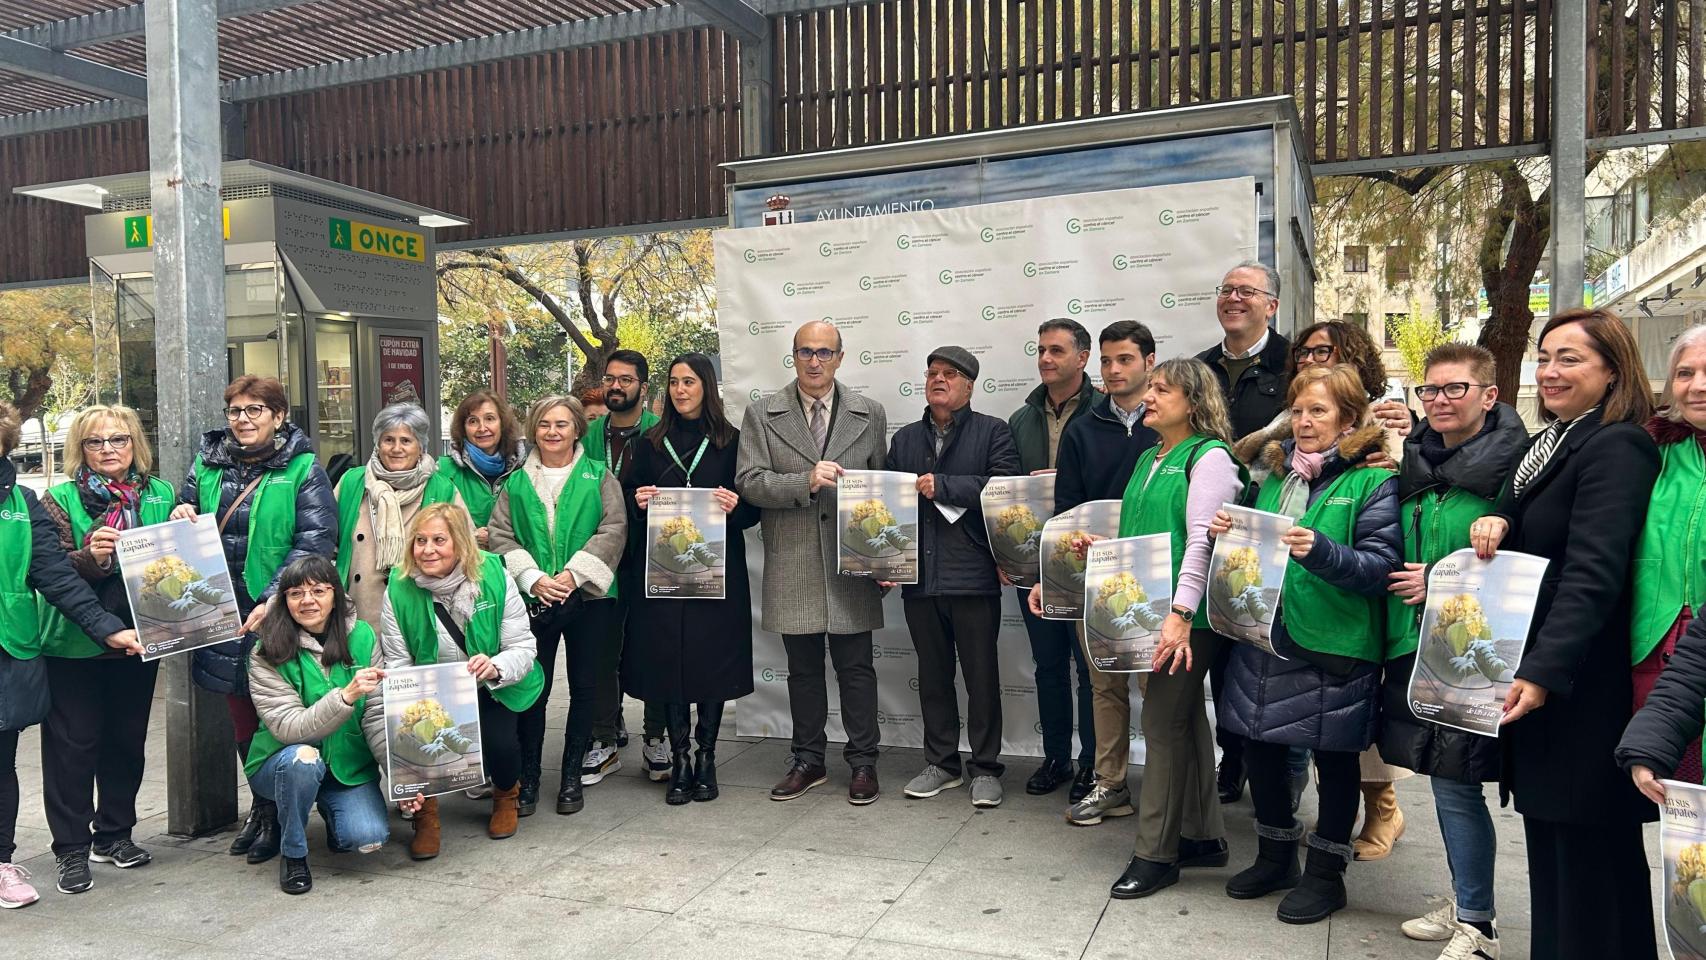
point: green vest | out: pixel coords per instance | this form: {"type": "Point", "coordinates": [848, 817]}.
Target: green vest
{"type": "Point", "coordinates": [272, 516]}
{"type": "Point", "coordinates": [1670, 558]}
{"type": "Point", "coordinates": [352, 489]}
{"type": "Point", "coordinates": [579, 509]}
{"type": "Point", "coordinates": [478, 495]}
{"type": "Point", "coordinates": [59, 636]}
{"type": "Point", "coordinates": [1318, 615]}
{"type": "Point", "coordinates": [594, 439]}
{"type": "Point", "coordinates": [346, 752]}
{"type": "Point", "coordinates": [1436, 523]}
{"type": "Point", "coordinates": [412, 607]}
{"type": "Point", "coordinates": [20, 624]}
{"type": "Point", "coordinates": [1155, 502]}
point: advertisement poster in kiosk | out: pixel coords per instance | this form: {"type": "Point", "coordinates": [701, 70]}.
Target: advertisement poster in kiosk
{"type": "Point", "coordinates": [1014, 511]}
{"type": "Point", "coordinates": [1128, 590]}
{"type": "Point", "coordinates": [402, 371]}
{"type": "Point", "coordinates": [432, 730]}
{"type": "Point", "coordinates": [1061, 569]}
{"type": "Point", "coordinates": [179, 586]}
{"type": "Point", "coordinates": [1682, 845]}
{"type": "Point", "coordinates": [686, 537]}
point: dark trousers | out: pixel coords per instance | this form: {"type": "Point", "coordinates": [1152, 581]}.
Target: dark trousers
{"type": "Point", "coordinates": [1338, 792]}
{"type": "Point", "coordinates": [500, 741]}
{"type": "Point", "coordinates": [808, 694]}
{"type": "Point", "coordinates": [92, 743]}
{"type": "Point", "coordinates": [605, 725]}
{"type": "Point", "coordinates": [8, 795]}
{"type": "Point", "coordinates": [1231, 744]}
{"type": "Point", "coordinates": [1589, 890]}
{"type": "Point", "coordinates": [583, 633]}
{"type": "Point", "coordinates": [946, 629]}
{"type": "Point", "coordinates": [1055, 650]}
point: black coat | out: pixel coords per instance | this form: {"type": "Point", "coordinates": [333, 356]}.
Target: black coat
{"type": "Point", "coordinates": [220, 667]}
{"type": "Point", "coordinates": [1671, 719]}
{"type": "Point", "coordinates": [50, 572]}
{"type": "Point", "coordinates": [689, 651]}
{"type": "Point", "coordinates": [1479, 467]}
{"type": "Point", "coordinates": [954, 558]}
{"type": "Point", "coordinates": [1096, 456]}
{"type": "Point", "coordinates": [1256, 399]}
{"type": "Point", "coordinates": [1583, 512]}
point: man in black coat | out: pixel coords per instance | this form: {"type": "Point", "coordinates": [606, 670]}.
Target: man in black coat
{"type": "Point", "coordinates": [954, 610]}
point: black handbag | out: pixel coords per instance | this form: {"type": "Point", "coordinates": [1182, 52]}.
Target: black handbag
{"type": "Point", "coordinates": [23, 692]}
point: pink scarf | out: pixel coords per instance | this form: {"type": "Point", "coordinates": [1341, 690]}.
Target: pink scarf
{"type": "Point", "coordinates": [1307, 465]}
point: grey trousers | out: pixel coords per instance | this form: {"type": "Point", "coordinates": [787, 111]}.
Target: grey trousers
{"type": "Point", "coordinates": [949, 632]}
{"type": "Point", "coordinates": [808, 694]}
{"type": "Point", "coordinates": [1177, 797]}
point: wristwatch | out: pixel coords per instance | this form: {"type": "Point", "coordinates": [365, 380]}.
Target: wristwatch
{"type": "Point", "coordinates": [1183, 613]}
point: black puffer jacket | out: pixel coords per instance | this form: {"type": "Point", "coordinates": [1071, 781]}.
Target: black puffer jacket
{"type": "Point", "coordinates": [1671, 719]}
{"type": "Point", "coordinates": [220, 667]}
{"type": "Point", "coordinates": [50, 573]}
{"type": "Point", "coordinates": [1312, 700]}
{"type": "Point", "coordinates": [1478, 467]}
{"type": "Point", "coordinates": [954, 558]}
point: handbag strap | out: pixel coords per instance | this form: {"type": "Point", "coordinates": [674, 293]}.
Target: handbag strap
{"type": "Point", "coordinates": [232, 510]}
{"type": "Point", "coordinates": [450, 625]}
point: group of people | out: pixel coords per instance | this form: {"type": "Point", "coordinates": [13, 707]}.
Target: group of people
{"type": "Point", "coordinates": [525, 540]}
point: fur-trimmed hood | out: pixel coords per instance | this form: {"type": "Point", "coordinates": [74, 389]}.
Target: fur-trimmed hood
{"type": "Point", "coordinates": [1352, 449]}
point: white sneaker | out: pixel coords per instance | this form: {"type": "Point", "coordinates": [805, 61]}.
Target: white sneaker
{"type": "Point", "coordinates": [1467, 943]}
{"type": "Point", "coordinates": [1438, 924]}
{"type": "Point", "coordinates": [601, 761]}
{"type": "Point", "coordinates": [657, 760]}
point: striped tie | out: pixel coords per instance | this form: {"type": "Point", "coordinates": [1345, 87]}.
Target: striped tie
{"type": "Point", "coordinates": [820, 425]}
{"type": "Point", "coordinates": [1539, 454]}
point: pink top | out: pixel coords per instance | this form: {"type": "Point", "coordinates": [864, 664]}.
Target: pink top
{"type": "Point", "coordinates": [1214, 482]}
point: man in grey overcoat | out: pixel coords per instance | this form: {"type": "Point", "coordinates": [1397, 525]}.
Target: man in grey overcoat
{"type": "Point", "coordinates": [794, 444]}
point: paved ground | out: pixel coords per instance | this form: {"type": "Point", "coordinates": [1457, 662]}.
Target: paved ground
{"type": "Point", "coordinates": [630, 877]}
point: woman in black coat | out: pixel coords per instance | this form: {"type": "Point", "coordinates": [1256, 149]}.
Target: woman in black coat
{"type": "Point", "coordinates": [1578, 498]}
{"type": "Point", "coordinates": [681, 652]}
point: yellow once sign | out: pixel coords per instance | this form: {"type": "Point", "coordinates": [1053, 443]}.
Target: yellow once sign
{"type": "Point", "coordinates": [378, 241]}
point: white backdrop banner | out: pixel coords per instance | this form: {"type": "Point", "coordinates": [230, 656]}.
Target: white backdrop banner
{"type": "Point", "coordinates": [981, 277]}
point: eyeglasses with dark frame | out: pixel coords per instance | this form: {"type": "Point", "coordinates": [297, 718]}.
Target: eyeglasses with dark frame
{"type": "Point", "coordinates": [253, 411]}
{"type": "Point", "coordinates": [1244, 291]}
{"type": "Point", "coordinates": [1317, 354]}
{"type": "Point", "coordinates": [624, 381]}
{"type": "Point", "coordinates": [1456, 390]}
{"type": "Point", "coordinates": [822, 354]}
{"type": "Point", "coordinates": [119, 441]}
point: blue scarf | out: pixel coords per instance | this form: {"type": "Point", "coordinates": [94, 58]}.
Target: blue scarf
{"type": "Point", "coordinates": [490, 466]}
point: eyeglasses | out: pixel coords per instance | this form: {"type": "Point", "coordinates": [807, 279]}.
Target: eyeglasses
{"type": "Point", "coordinates": [253, 411]}
{"type": "Point", "coordinates": [949, 374]}
{"type": "Point", "coordinates": [1452, 391]}
{"type": "Point", "coordinates": [623, 381]}
{"type": "Point", "coordinates": [318, 591]}
{"type": "Point", "coordinates": [118, 442]}
{"type": "Point", "coordinates": [1315, 354]}
{"type": "Point", "coordinates": [823, 354]}
{"type": "Point", "coordinates": [1243, 292]}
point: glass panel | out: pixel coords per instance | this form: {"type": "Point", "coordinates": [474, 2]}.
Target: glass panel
{"type": "Point", "coordinates": [335, 420]}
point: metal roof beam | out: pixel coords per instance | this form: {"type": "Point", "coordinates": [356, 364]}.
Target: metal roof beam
{"type": "Point", "coordinates": [122, 22]}
{"type": "Point", "coordinates": [734, 17]}
{"type": "Point", "coordinates": [66, 70]}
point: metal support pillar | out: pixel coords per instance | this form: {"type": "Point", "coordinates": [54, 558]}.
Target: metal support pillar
{"type": "Point", "coordinates": [189, 325]}
{"type": "Point", "coordinates": [1569, 153]}
{"type": "Point", "coordinates": [757, 112]}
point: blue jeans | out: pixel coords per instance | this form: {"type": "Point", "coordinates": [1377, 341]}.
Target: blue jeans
{"type": "Point", "coordinates": [297, 779]}
{"type": "Point", "coordinates": [1470, 843]}
{"type": "Point", "coordinates": [1055, 649]}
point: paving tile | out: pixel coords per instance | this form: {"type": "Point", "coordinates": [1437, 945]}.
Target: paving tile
{"type": "Point", "coordinates": [646, 872]}
{"type": "Point", "coordinates": [376, 907]}
{"type": "Point", "coordinates": [522, 925]}
{"type": "Point", "coordinates": [996, 909]}
{"type": "Point", "coordinates": [907, 829]}
{"type": "Point", "coordinates": [805, 891]}
{"type": "Point", "coordinates": [34, 932]}
{"type": "Point", "coordinates": [739, 815]}
{"type": "Point", "coordinates": [704, 938]}
{"type": "Point", "coordinates": [1195, 920]}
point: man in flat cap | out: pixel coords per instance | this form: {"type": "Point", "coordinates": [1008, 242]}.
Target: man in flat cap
{"type": "Point", "coordinates": [954, 610]}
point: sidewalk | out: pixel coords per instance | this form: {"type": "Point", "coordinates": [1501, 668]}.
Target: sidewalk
{"type": "Point", "coordinates": [630, 877]}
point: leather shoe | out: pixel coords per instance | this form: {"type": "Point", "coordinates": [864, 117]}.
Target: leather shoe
{"type": "Point", "coordinates": [863, 789]}
{"type": "Point", "coordinates": [801, 777]}
{"type": "Point", "coordinates": [1142, 878]}
{"type": "Point", "coordinates": [1203, 853]}
{"type": "Point", "coordinates": [1083, 783]}
{"type": "Point", "coordinates": [1049, 777]}
{"type": "Point", "coordinates": [1229, 781]}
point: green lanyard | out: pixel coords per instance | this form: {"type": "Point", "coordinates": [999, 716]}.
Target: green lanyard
{"type": "Point", "coordinates": [686, 470]}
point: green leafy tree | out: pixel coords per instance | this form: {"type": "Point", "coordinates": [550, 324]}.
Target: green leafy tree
{"type": "Point", "coordinates": [1415, 334]}
{"type": "Point", "coordinates": [44, 342]}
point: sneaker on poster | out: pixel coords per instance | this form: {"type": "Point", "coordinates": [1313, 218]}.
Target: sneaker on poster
{"type": "Point", "coordinates": [15, 889]}
{"type": "Point", "coordinates": [656, 755]}
{"type": "Point", "coordinates": [602, 760]}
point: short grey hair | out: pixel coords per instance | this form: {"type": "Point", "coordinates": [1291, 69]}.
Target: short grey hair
{"type": "Point", "coordinates": [409, 416]}
{"type": "Point", "coordinates": [1691, 337]}
{"type": "Point", "coordinates": [1270, 272]}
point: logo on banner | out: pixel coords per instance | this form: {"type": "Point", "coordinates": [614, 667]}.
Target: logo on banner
{"type": "Point", "coordinates": [903, 241]}
{"type": "Point", "coordinates": [1031, 269]}
{"type": "Point", "coordinates": [945, 277]}
{"type": "Point", "coordinates": [788, 361]}
{"type": "Point", "coordinates": [912, 682]}
{"type": "Point", "coordinates": [1169, 301]}
{"type": "Point", "coordinates": [1030, 348]}
{"type": "Point", "coordinates": [987, 234]}
{"type": "Point", "coordinates": [1074, 225]}
{"type": "Point", "coordinates": [1074, 306]}
{"type": "Point", "coordinates": [905, 391]}
{"type": "Point", "coordinates": [988, 313]}
{"type": "Point", "coordinates": [989, 386]}
{"type": "Point", "coordinates": [1121, 261]}
{"type": "Point", "coordinates": [865, 357]}
{"type": "Point", "coordinates": [823, 249]}
{"type": "Point", "coordinates": [1166, 218]}
{"type": "Point", "coordinates": [864, 283]}
{"type": "Point", "coordinates": [750, 256]}
{"type": "Point", "coordinates": [754, 395]}
{"type": "Point", "coordinates": [788, 289]}
{"type": "Point", "coordinates": [904, 317]}
{"type": "Point", "coordinates": [752, 328]}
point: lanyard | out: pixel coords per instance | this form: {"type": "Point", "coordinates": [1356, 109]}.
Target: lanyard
{"type": "Point", "coordinates": [616, 462]}
{"type": "Point", "coordinates": [686, 469]}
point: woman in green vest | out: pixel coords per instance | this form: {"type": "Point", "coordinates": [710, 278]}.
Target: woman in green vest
{"type": "Point", "coordinates": [377, 500]}
{"type": "Point", "coordinates": [97, 723]}
{"type": "Point", "coordinates": [451, 602]}
{"type": "Point", "coordinates": [1323, 690]}
{"type": "Point", "coordinates": [35, 566]}
{"type": "Point", "coordinates": [1670, 559]}
{"type": "Point", "coordinates": [260, 482]}
{"type": "Point", "coordinates": [559, 523]}
{"type": "Point", "coordinates": [315, 679]}
{"type": "Point", "coordinates": [485, 448]}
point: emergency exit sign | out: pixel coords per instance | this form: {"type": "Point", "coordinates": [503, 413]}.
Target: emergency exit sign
{"type": "Point", "coordinates": [139, 230]}
{"type": "Point", "coordinates": [358, 237]}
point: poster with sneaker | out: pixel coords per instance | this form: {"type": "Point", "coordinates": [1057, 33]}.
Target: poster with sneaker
{"type": "Point", "coordinates": [686, 533]}
{"type": "Point", "coordinates": [432, 730]}
{"type": "Point", "coordinates": [1060, 568]}
{"type": "Point", "coordinates": [1128, 590]}
{"type": "Point", "coordinates": [179, 586]}
{"type": "Point", "coordinates": [1244, 576]}
{"type": "Point", "coordinates": [1014, 511]}
{"type": "Point", "coordinates": [877, 525]}
{"type": "Point", "coordinates": [1682, 843]}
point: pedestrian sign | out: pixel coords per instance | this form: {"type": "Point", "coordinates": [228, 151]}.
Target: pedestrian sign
{"type": "Point", "coordinates": [139, 230]}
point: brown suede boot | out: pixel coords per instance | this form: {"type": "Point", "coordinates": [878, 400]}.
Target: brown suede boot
{"type": "Point", "coordinates": [424, 846]}
{"type": "Point", "coordinates": [506, 813]}
{"type": "Point", "coordinates": [1382, 822]}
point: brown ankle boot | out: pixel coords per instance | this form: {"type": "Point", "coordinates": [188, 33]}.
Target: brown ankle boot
{"type": "Point", "coordinates": [1382, 822]}
{"type": "Point", "coordinates": [506, 814]}
{"type": "Point", "coordinates": [424, 846]}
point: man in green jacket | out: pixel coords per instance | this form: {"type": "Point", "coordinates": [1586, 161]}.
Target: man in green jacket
{"type": "Point", "coordinates": [1063, 351]}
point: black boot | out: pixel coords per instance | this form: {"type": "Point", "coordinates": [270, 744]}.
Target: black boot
{"type": "Point", "coordinates": [569, 796]}
{"type": "Point", "coordinates": [1275, 867]}
{"type": "Point", "coordinates": [705, 777]}
{"type": "Point", "coordinates": [266, 842]}
{"type": "Point", "coordinates": [1229, 780]}
{"type": "Point", "coordinates": [527, 797]}
{"type": "Point", "coordinates": [293, 875]}
{"type": "Point", "coordinates": [679, 723]}
{"type": "Point", "coordinates": [1321, 892]}
{"type": "Point", "coordinates": [251, 829]}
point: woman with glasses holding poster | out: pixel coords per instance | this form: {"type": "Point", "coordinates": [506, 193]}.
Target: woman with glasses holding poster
{"type": "Point", "coordinates": [683, 652]}
{"type": "Point", "coordinates": [450, 602]}
{"type": "Point", "coordinates": [1330, 629]}
{"type": "Point", "coordinates": [273, 504]}
{"type": "Point", "coordinates": [315, 680]}
{"type": "Point", "coordinates": [1454, 464]}
{"type": "Point", "coordinates": [97, 725]}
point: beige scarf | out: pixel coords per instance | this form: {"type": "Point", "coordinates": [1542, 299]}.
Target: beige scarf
{"type": "Point", "coordinates": [392, 492]}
